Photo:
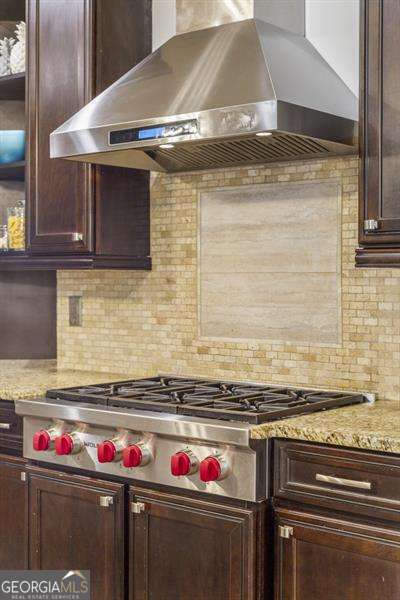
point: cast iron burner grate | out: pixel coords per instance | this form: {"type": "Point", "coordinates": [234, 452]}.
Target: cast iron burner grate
{"type": "Point", "coordinates": [224, 400]}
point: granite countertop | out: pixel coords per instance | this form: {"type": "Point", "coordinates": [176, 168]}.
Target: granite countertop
{"type": "Point", "coordinates": [21, 379]}
{"type": "Point", "coordinates": [366, 426]}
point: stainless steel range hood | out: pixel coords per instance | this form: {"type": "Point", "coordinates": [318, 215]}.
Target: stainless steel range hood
{"type": "Point", "coordinates": [202, 99]}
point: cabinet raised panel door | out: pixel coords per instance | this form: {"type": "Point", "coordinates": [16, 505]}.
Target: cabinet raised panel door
{"type": "Point", "coordinates": [77, 523]}
{"type": "Point", "coordinates": [379, 227]}
{"type": "Point", "coordinates": [59, 191]}
{"type": "Point", "coordinates": [82, 215]}
{"type": "Point", "coordinates": [184, 549]}
{"type": "Point", "coordinates": [14, 513]}
{"type": "Point", "coordinates": [320, 558]}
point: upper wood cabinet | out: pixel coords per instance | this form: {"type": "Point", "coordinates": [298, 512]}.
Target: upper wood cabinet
{"type": "Point", "coordinates": [61, 57]}
{"type": "Point", "coordinates": [379, 222]}
{"type": "Point", "coordinates": [80, 215]}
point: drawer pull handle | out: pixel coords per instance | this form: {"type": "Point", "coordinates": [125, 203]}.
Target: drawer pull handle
{"type": "Point", "coordinates": [361, 485]}
{"type": "Point", "coordinates": [5, 425]}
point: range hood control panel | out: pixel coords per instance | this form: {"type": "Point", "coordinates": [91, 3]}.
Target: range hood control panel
{"type": "Point", "coordinates": [153, 132]}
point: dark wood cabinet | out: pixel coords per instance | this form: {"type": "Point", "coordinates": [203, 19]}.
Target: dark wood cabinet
{"type": "Point", "coordinates": [13, 514]}
{"type": "Point", "coordinates": [182, 548]}
{"type": "Point", "coordinates": [170, 547]}
{"type": "Point", "coordinates": [337, 533]}
{"type": "Point", "coordinates": [60, 193]}
{"type": "Point", "coordinates": [80, 215]}
{"type": "Point", "coordinates": [322, 558]}
{"type": "Point", "coordinates": [77, 523]}
{"type": "Point", "coordinates": [379, 221]}
{"type": "Point", "coordinates": [365, 484]}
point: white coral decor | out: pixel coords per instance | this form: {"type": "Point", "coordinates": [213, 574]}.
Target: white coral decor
{"type": "Point", "coordinates": [17, 56]}
{"type": "Point", "coordinates": [6, 45]}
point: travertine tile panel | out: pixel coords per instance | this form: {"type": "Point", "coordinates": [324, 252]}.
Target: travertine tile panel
{"type": "Point", "coordinates": [270, 306]}
{"type": "Point", "coordinates": [269, 262]}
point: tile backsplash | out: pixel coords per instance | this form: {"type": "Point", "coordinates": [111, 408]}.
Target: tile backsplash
{"type": "Point", "coordinates": [147, 322]}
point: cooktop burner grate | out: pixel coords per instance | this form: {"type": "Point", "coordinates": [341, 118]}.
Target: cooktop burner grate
{"type": "Point", "coordinates": [210, 399]}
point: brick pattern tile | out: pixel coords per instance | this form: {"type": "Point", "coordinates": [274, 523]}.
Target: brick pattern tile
{"type": "Point", "coordinates": [146, 322]}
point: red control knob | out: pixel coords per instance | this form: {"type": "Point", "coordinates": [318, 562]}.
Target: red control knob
{"type": "Point", "coordinates": [41, 440]}
{"type": "Point", "coordinates": [180, 464]}
{"type": "Point", "coordinates": [106, 452]}
{"type": "Point", "coordinates": [132, 456]}
{"type": "Point", "coordinates": [210, 469]}
{"type": "Point", "coordinates": [64, 444]}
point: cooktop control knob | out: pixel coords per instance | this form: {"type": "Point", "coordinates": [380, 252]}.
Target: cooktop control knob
{"type": "Point", "coordinates": [41, 440]}
{"type": "Point", "coordinates": [44, 439]}
{"type": "Point", "coordinates": [136, 455]}
{"type": "Point", "coordinates": [183, 463]}
{"type": "Point", "coordinates": [68, 443]}
{"type": "Point", "coordinates": [106, 452]}
{"type": "Point", "coordinates": [213, 468]}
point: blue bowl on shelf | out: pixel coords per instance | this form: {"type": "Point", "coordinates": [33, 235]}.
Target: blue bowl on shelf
{"type": "Point", "coordinates": [12, 146]}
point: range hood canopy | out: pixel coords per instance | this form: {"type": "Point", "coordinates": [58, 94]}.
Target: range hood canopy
{"type": "Point", "coordinates": [200, 100]}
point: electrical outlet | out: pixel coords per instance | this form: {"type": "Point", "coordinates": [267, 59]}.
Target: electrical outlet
{"type": "Point", "coordinates": [75, 311]}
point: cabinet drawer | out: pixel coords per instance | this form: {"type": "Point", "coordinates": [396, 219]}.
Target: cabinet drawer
{"type": "Point", "coordinates": [353, 481]}
{"type": "Point", "coordinates": [10, 428]}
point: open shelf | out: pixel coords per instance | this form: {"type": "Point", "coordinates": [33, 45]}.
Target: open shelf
{"type": "Point", "coordinates": [13, 171]}
{"type": "Point", "coordinates": [12, 253]}
{"type": "Point", "coordinates": [12, 87]}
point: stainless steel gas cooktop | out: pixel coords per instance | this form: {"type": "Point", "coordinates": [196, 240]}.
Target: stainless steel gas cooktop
{"type": "Point", "coordinates": [187, 433]}
{"type": "Point", "coordinates": [250, 403]}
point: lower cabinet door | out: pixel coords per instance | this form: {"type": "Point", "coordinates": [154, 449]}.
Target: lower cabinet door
{"type": "Point", "coordinates": [183, 549]}
{"type": "Point", "coordinates": [13, 514]}
{"type": "Point", "coordinates": [77, 523]}
{"type": "Point", "coordinates": [319, 558]}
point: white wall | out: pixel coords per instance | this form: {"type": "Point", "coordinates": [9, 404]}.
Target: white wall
{"type": "Point", "coordinates": [289, 14]}
{"type": "Point", "coordinates": [164, 21]}
{"type": "Point", "coordinates": [333, 27]}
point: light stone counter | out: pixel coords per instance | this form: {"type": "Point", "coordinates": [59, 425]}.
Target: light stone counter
{"type": "Point", "coordinates": [367, 426]}
{"type": "Point", "coordinates": [30, 378]}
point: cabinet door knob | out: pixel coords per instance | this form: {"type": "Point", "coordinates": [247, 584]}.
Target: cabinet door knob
{"type": "Point", "coordinates": [106, 501]}
{"type": "Point", "coordinates": [77, 237]}
{"type": "Point", "coordinates": [137, 507]}
{"type": "Point", "coordinates": [285, 531]}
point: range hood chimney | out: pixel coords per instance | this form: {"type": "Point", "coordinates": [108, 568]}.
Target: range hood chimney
{"type": "Point", "coordinates": [240, 93]}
